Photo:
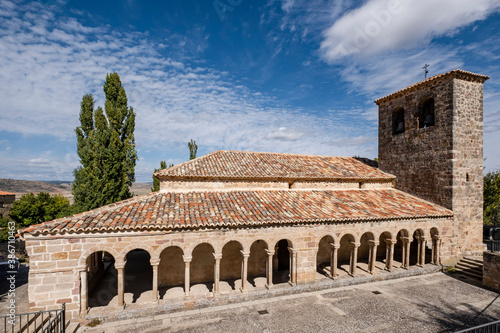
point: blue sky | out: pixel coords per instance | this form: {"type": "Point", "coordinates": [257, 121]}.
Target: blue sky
{"type": "Point", "coordinates": [279, 76]}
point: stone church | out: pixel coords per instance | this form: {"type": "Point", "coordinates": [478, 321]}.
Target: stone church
{"type": "Point", "coordinates": [233, 225]}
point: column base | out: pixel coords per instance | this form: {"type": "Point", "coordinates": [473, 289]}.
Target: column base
{"type": "Point", "coordinates": [244, 291]}
{"type": "Point", "coordinates": [269, 286]}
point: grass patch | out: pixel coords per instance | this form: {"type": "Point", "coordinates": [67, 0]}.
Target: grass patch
{"type": "Point", "coordinates": [94, 322]}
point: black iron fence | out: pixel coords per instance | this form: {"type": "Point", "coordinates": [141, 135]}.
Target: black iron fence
{"type": "Point", "coordinates": [493, 246]}
{"type": "Point", "coordinates": [52, 321]}
{"type": "Point", "coordinates": [493, 327]}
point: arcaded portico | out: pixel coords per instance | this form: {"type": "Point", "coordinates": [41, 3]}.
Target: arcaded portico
{"type": "Point", "coordinates": [237, 222]}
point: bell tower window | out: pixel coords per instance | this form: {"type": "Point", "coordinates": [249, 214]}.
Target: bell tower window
{"type": "Point", "coordinates": [426, 113]}
{"type": "Point", "coordinates": [398, 121]}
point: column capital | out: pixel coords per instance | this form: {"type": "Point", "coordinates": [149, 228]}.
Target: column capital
{"type": "Point", "coordinates": [154, 262]}
{"type": "Point", "coordinates": [334, 246]}
{"type": "Point", "coordinates": [245, 254]}
{"type": "Point", "coordinates": [373, 242]}
{"type": "Point", "coordinates": [187, 258]}
{"type": "Point", "coordinates": [269, 252]}
{"type": "Point", "coordinates": [355, 244]}
{"type": "Point", "coordinates": [391, 241]}
{"type": "Point", "coordinates": [217, 256]}
{"type": "Point", "coordinates": [120, 265]}
{"type": "Point", "coordinates": [294, 251]}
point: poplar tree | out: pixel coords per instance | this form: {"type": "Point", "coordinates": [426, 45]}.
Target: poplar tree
{"type": "Point", "coordinates": [106, 147]}
{"type": "Point", "coordinates": [193, 149]}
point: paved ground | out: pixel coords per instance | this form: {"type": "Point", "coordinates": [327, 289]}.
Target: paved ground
{"type": "Point", "coordinates": [20, 294]}
{"type": "Point", "coordinates": [429, 303]}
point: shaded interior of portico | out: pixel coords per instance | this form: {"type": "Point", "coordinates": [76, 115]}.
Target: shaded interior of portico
{"type": "Point", "coordinates": [336, 259]}
{"type": "Point", "coordinates": [205, 273]}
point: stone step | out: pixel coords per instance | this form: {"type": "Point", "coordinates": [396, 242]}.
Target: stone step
{"type": "Point", "coordinates": [72, 327]}
{"type": "Point", "coordinates": [474, 259]}
{"type": "Point", "coordinates": [470, 266]}
{"type": "Point", "coordinates": [469, 273]}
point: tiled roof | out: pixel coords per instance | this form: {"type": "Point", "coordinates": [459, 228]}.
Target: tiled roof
{"type": "Point", "coordinates": [169, 211]}
{"type": "Point", "coordinates": [253, 165]}
{"type": "Point", "coordinates": [6, 193]}
{"type": "Point", "coordinates": [456, 73]}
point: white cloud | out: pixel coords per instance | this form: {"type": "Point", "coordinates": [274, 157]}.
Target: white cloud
{"type": "Point", "coordinates": [384, 25]}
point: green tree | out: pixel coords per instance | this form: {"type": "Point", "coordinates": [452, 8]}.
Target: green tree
{"type": "Point", "coordinates": [491, 205]}
{"type": "Point", "coordinates": [106, 147]}
{"type": "Point", "coordinates": [193, 149]}
{"type": "Point", "coordinates": [4, 229]}
{"type": "Point", "coordinates": [32, 209]}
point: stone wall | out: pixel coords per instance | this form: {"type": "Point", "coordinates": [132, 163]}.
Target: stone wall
{"type": "Point", "coordinates": [56, 262]}
{"type": "Point", "coordinates": [491, 270]}
{"type": "Point", "coordinates": [6, 202]}
{"type": "Point", "coordinates": [442, 163]}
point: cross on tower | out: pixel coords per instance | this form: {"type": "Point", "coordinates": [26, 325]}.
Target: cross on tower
{"type": "Point", "coordinates": [426, 70]}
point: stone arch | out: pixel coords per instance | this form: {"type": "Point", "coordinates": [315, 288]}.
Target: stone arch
{"type": "Point", "coordinates": [344, 252]}
{"type": "Point", "coordinates": [231, 261]}
{"type": "Point", "coordinates": [398, 121]}
{"type": "Point", "coordinates": [202, 264]}
{"type": "Point", "coordinates": [417, 248]}
{"type": "Point", "coordinates": [170, 269]}
{"type": "Point", "coordinates": [156, 253]}
{"type": "Point", "coordinates": [100, 277]}
{"type": "Point", "coordinates": [82, 261]}
{"type": "Point", "coordinates": [257, 261]}
{"type": "Point", "coordinates": [282, 261]}
{"type": "Point", "coordinates": [324, 255]}
{"type": "Point", "coordinates": [364, 246]}
{"type": "Point", "coordinates": [138, 274]}
{"type": "Point", "coordinates": [127, 249]}
{"type": "Point", "coordinates": [399, 250]}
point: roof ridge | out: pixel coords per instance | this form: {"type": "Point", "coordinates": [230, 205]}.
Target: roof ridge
{"type": "Point", "coordinates": [432, 78]}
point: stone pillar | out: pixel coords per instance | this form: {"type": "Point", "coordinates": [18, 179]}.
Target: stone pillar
{"type": "Point", "coordinates": [269, 269]}
{"type": "Point", "coordinates": [406, 245]}
{"type": "Point", "coordinates": [421, 249]}
{"type": "Point", "coordinates": [334, 260]}
{"type": "Point", "coordinates": [187, 273]}
{"type": "Point", "coordinates": [293, 266]}
{"type": "Point", "coordinates": [217, 257]}
{"type": "Point", "coordinates": [244, 271]}
{"type": "Point", "coordinates": [155, 265]}
{"type": "Point", "coordinates": [373, 256]}
{"type": "Point", "coordinates": [390, 253]}
{"type": "Point", "coordinates": [437, 259]}
{"type": "Point", "coordinates": [83, 292]}
{"type": "Point", "coordinates": [121, 283]}
{"type": "Point", "coordinates": [354, 258]}
{"type": "Point", "coordinates": [433, 250]}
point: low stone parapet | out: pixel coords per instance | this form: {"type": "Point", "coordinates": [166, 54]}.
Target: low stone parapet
{"type": "Point", "coordinates": [491, 270]}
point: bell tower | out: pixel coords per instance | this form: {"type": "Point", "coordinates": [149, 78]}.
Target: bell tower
{"type": "Point", "coordinates": [431, 138]}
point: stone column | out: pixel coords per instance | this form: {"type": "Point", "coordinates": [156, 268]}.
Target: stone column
{"type": "Point", "coordinates": [244, 271]}
{"type": "Point", "coordinates": [407, 253]}
{"type": "Point", "coordinates": [373, 256]}
{"type": "Point", "coordinates": [390, 253]}
{"type": "Point", "coordinates": [217, 257]}
{"type": "Point", "coordinates": [155, 265]}
{"type": "Point", "coordinates": [121, 283]}
{"type": "Point", "coordinates": [83, 292]}
{"type": "Point", "coordinates": [187, 273]}
{"type": "Point", "coordinates": [334, 260]}
{"type": "Point", "coordinates": [293, 266]}
{"type": "Point", "coordinates": [354, 258]}
{"type": "Point", "coordinates": [421, 248]}
{"type": "Point", "coordinates": [433, 250]}
{"type": "Point", "coordinates": [269, 269]}
{"type": "Point", "coordinates": [437, 259]}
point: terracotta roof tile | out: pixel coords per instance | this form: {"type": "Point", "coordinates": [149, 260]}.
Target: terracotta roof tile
{"type": "Point", "coordinates": [253, 165]}
{"type": "Point", "coordinates": [167, 211]}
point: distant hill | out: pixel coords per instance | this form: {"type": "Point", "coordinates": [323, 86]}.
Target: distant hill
{"type": "Point", "coordinates": [20, 187]}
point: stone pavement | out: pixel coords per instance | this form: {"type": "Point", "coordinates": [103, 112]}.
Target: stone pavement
{"type": "Point", "coordinates": [428, 303]}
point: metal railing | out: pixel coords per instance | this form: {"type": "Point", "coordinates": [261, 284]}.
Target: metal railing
{"type": "Point", "coordinates": [493, 246]}
{"type": "Point", "coordinates": [52, 321]}
{"type": "Point", "coordinates": [493, 327]}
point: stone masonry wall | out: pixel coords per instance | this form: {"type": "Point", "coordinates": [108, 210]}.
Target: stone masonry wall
{"type": "Point", "coordinates": [56, 261]}
{"type": "Point", "coordinates": [491, 270]}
